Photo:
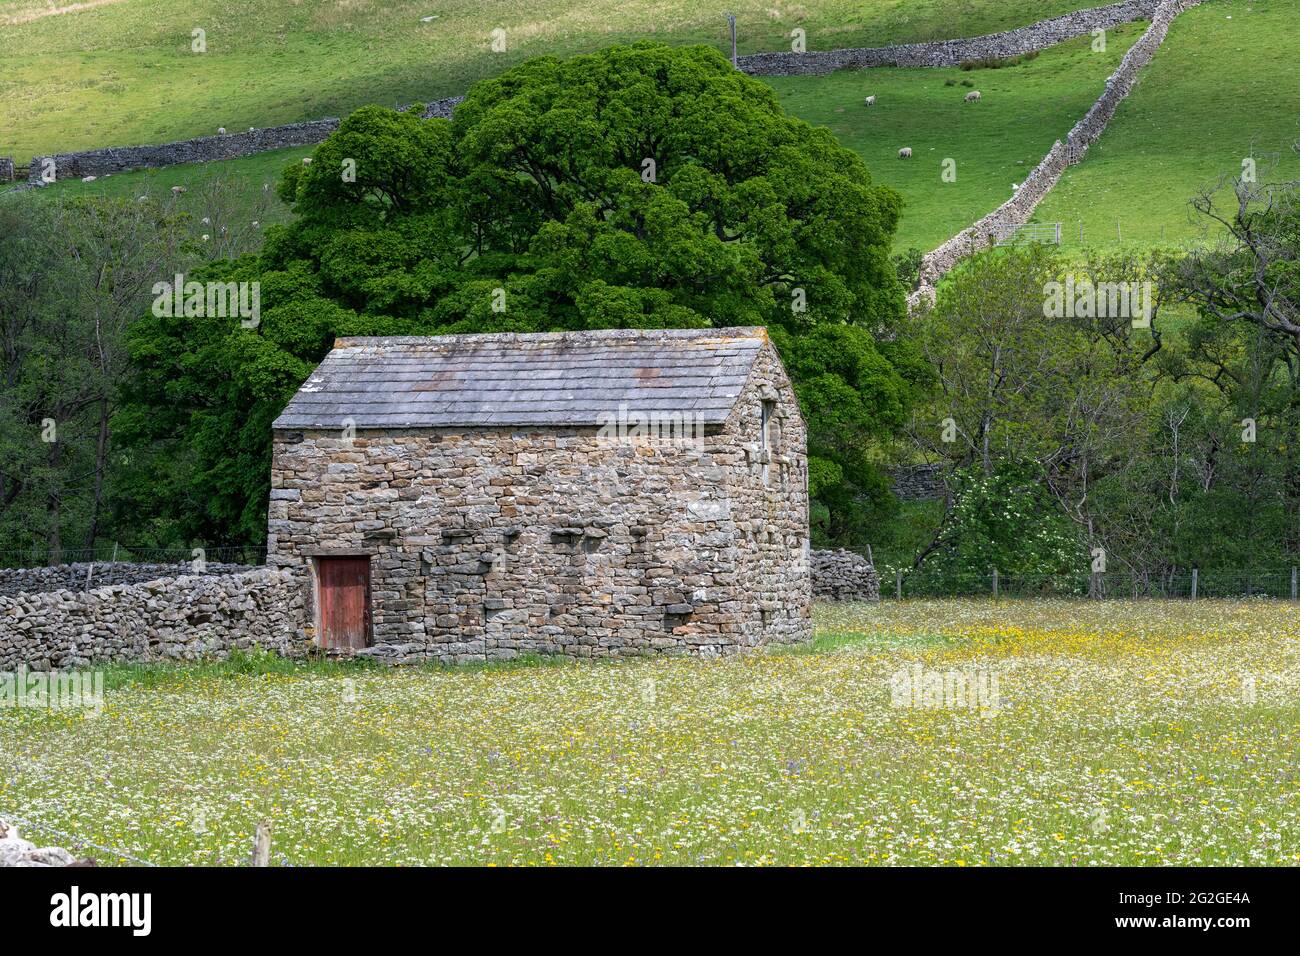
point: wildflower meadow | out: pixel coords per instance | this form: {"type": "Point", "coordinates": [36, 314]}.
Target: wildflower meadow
{"type": "Point", "coordinates": [948, 732]}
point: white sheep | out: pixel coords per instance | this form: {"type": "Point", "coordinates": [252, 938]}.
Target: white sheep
{"type": "Point", "coordinates": [871, 100]}
{"type": "Point", "coordinates": [1015, 187]}
{"type": "Point", "coordinates": [221, 131]}
{"type": "Point", "coordinates": [905, 152]}
{"type": "Point", "coordinates": [973, 96]}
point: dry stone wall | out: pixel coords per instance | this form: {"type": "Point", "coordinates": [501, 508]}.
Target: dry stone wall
{"type": "Point", "coordinates": [185, 618]}
{"type": "Point", "coordinates": [1003, 221]}
{"type": "Point", "coordinates": [83, 576]}
{"type": "Point", "coordinates": [1035, 36]}
{"type": "Point", "coordinates": [918, 483]}
{"type": "Point", "coordinates": [204, 149]}
{"type": "Point", "coordinates": [841, 575]}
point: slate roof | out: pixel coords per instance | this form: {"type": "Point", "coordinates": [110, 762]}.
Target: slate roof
{"type": "Point", "coordinates": [547, 379]}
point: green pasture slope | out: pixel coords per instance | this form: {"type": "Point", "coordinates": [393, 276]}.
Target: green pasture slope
{"type": "Point", "coordinates": [1219, 90]}
{"type": "Point", "coordinates": [993, 143]}
{"type": "Point", "coordinates": [1225, 86]}
{"type": "Point", "coordinates": [122, 72]}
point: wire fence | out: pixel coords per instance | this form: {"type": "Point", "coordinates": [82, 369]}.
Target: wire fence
{"type": "Point", "coordinates": [76, 844]}
{"type": "Point", "coordinates": [1191, 583]}
{"type": "Point", "coordinates": [112, 554]}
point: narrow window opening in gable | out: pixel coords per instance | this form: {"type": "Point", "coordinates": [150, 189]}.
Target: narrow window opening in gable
{"type": "Point", "coordinates": [766, 437]}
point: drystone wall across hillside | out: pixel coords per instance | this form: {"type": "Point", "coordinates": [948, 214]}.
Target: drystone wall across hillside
{"type": "Point", "coordinates": [1002, 223]}
{"type": "Point", "coordinates": [1026, 39]}
{"type": "Point", "coordinates": [204, 149]}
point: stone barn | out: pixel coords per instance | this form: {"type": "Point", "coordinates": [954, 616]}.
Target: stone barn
{"type": "Point", "coordinates": [591, 494]}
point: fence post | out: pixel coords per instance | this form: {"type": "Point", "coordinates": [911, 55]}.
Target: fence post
{"type": "Point", "coordinates": [898, 584]}
{"type": "Point", "coordinates": [1194, 582]}
{"type": "Point", "coordinates": [89, 572]}
{"type": "Point", "coordinates": [262, 845]}
{"type": "Point", "coordinates": [731, 20]}
{"type": "Point", "coordinates": [1294, 582]}
{"type": "Point", "coordinates": [995, 583]}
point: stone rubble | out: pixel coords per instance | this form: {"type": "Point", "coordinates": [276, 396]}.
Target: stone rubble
{"type": "Point", "coordinates": [15, 851]}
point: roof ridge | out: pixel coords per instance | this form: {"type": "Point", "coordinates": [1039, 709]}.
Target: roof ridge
{"type": "Point", "coordinates": [524, 338]}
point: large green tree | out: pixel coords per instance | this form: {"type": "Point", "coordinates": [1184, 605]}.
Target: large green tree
{"type": "Point", "coordinates": [638, 187]}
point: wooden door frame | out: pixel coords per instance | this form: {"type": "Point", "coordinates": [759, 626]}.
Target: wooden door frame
{"type": "Point", "coordinates": [315, 556]}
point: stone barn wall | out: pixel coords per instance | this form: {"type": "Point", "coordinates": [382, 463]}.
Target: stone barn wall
{"type": "Point", "coordinates": [491, 542]}
{"type": "Point", "coordinates": [186, 618]}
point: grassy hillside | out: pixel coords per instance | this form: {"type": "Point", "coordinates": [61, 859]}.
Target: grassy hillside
{"type": "Point", "coordinates": [1218, 90]}
{"type": "Point", "coordinates": [1225, 86]}
{"type": "Point", "coordinates": [244, 179]}
{"type": "Point", "coordinates": [122, 71]}
{"type": "Point", "coordinates": [994, 143]}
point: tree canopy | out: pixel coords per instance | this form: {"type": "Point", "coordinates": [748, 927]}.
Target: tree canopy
{"type": "Point", "coordinates": [638, 187]}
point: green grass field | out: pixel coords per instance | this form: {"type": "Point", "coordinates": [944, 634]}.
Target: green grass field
{"type": "Point", "coordinates": [1120, 732]}
{"type": "Point", "coordinates": [243, 180]}
{"type": "Point", "coordinates": [123, 72]}
{"type": "Point", "coordinates": [994, 143]}
{"type": "Point", "coordinates": [1220, 90]}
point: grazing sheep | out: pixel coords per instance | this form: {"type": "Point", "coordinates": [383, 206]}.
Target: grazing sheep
{"type": "Point", "coordinates": [177, 190]}
{"type": "Point", "coordinates": [871, 100]}
{"type": "Point", "coordinates": [221, 131]}
{"type": "Point", "coordinates": [905, 152]}
{"type": "Point", "coordinates": [973, 96]}
{"type": "Point", "coordinates": [1015, 187]}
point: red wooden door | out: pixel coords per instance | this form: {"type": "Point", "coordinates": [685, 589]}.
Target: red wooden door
{"type": "Point", "coordinates": [344, 589]}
